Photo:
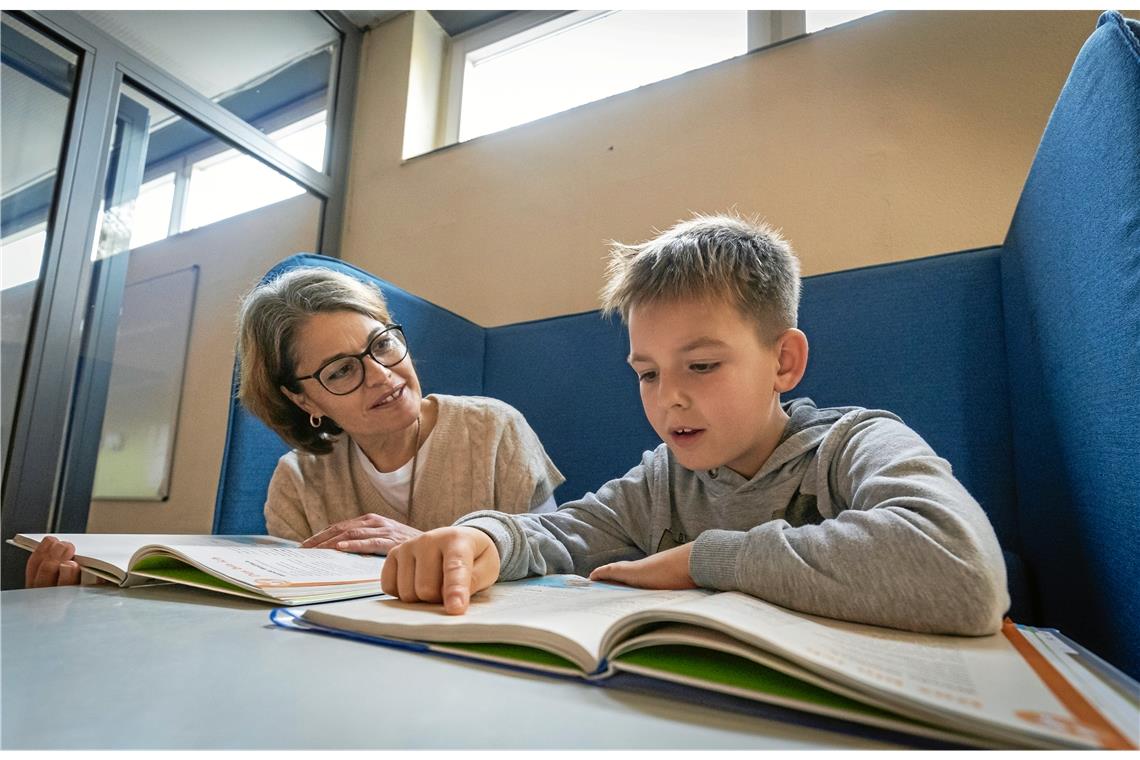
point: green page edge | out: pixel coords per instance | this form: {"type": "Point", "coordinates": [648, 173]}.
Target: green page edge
{"type": "Point", "coordinates": [177, 571]}
{"type": "Point", "coordinates": [528, 655]}
{"type": "Point", "coordinates": [712, 666]}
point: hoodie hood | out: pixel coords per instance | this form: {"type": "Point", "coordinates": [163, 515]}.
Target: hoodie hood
{"type": "Point", "coordinates": [805, 430]}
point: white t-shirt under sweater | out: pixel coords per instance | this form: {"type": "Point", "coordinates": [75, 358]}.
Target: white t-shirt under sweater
{"type": "Point", "coordinates": [482, 455]}
{"type": "Point", "coordinates": [395, 486]}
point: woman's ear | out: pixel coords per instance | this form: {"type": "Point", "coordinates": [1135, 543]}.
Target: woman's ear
{"type": "Point", "coordinates": [792, 355]}
{"type": "Point", "coordinates": [301, 400]}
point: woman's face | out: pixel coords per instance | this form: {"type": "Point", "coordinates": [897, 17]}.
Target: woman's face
{"type": "Point", "coordinates": [387, 401]}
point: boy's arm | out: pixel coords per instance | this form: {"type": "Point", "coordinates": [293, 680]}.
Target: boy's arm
{"type": "Point", "coordinates": [913, 549]}
{"type": "Point", "coordinates": [580, 536]}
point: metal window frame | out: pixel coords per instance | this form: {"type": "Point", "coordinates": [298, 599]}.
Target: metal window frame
{"type": "Point", "coordinates": [765, 28]}
{"type": "Point", "coordinates": [36, 487]}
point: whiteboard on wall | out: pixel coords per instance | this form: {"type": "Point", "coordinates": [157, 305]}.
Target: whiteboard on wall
{"type": "Point", "coordinates": [136, 448]}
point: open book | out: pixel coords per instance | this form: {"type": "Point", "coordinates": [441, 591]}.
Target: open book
{"type": "Point", "coordinates": [258, 567]}
{"type": "Point", "coordinates": [1005, 690]}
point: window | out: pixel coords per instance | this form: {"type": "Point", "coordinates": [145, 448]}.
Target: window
{"type": "Point", "coordinates": [268, 68]}
{"type": "Point", "coordinates": [581, 57]}
{"type": "Point", "coordinates": [535, 63]}
{"type": "Point", "coordinates": [817, 20]}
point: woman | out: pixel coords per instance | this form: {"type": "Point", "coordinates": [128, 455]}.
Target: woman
{"type": "Point", "coordinates": [374, 462]}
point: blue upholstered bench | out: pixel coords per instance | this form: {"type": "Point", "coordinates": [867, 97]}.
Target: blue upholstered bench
{"type": "Point", "coordinates": [1019, 363]}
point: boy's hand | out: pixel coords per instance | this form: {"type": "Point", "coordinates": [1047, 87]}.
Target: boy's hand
{"type": "Point", "coordinates": [445, 564]}
{"type": "Point", "coordinates": [366, 534]}
{"type": "Point", "coordinates": [665, 570]}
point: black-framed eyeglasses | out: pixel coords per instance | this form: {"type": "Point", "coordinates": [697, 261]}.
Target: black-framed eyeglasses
{"type": "Point", "coordinates": [344, 374]}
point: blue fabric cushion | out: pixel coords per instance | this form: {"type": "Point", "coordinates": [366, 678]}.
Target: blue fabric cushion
{"type": "Point", "coordinates": [923, 339]}
{"type": "Point", "coordinates": [448, 354]}
{"type": "Point", "coordinates": [569, 378]}
{"type": "Point", "coordinates": [1071, 288]}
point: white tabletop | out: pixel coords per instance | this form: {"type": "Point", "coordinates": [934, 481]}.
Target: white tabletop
{"type": "Point", "coordinates": [169, 667]}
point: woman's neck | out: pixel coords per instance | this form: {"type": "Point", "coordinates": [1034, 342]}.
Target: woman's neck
{"type": "Point", "coordinates": [396, 449]}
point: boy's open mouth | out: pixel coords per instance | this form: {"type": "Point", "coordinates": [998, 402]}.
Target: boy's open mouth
{"type": "Point", "coordinates": [685, 435]}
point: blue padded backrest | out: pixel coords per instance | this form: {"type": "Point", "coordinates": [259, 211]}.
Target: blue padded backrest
{"type": "Point", "coordinates": [1071, 289]}
{"type": "Point", "coordinates": [448, 354]}
{"type": "Point", "coordinates": [919, 338]}
{"type": "Point", "coordinates": [923, 339]}
{"type": "Point", "coordinates": [569, 378]}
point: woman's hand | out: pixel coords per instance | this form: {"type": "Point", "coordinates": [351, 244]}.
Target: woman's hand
{"type": "Point", "coordinates": [367, 534]}
{"type": "Point", "coordinates": [51, 564]}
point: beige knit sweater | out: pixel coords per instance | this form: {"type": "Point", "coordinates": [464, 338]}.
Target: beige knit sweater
{"type": "Point", "coordinates": [484, 455]}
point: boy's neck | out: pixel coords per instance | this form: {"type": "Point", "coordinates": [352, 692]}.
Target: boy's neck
{"type": "Point", "coordinates": [766, 443]}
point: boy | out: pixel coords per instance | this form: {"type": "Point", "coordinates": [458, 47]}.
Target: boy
{"type": "Point", "coordinates": [842, 512]}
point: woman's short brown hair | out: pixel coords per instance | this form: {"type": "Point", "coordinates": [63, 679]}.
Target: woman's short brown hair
{"type": "Point", "coordinates": [268, 321]}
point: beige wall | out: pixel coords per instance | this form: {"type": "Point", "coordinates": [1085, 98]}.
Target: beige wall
{"type": "Point", "coordinates": [231, 255]}
{"type": "Point", "coordinates": [901, 135]}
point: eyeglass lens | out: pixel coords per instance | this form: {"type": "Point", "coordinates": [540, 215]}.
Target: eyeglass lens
{"type": "Point", "coordinates": [347, 373]}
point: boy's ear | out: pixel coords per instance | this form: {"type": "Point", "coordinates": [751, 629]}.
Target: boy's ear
{"type": "Point", "coordinates": [792, 355]}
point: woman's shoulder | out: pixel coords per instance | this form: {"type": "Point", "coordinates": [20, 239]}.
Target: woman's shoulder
{"type": "Point", "coordinates": [481, 407]}
{"type": "Point", "coordinates": [307, 466]}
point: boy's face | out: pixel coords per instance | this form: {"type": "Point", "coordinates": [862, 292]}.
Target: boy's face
{"type": "Point", "coordinates": [709, 385]}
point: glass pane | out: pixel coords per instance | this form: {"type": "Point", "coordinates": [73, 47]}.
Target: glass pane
{"type": "Point", "coordinates": [601, 55]}
{"type": "Point", "coordinates": [164, 301]}
{"type": "Point", "coordinates": [816, 20]}
{"type": "Point", "coordinates": [37, 80]}
{"type": "Point", "coordinates": [274, 69]}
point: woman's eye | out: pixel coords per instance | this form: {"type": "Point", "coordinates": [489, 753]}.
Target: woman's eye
{"type": "Point", "coordinates": [703, 367]}
{"type": "Point", "coordinates": [336, 373]}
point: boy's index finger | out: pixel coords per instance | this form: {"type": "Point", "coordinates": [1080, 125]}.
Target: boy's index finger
{"type": "Point", "coordinates": [458, 560]}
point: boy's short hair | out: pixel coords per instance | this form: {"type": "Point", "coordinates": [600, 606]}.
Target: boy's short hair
{"type": "Point", "coordinates": [270, 317]}
{"type": "Point", "coordinates": [723, 257]}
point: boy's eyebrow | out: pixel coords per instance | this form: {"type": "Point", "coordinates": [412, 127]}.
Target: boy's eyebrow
{"type": "Point", "coordinates": [704, 341]}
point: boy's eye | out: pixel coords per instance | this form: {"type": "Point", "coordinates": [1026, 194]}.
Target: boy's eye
{"type": "Point", "coordinates": [648, 376]}
{"type": "Point", "coordinates": [702, 367]}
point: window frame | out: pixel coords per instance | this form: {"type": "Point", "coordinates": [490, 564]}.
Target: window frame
{"type": "Point", "coordinates": [765, 28]}
{"type": "Point", "coordinates": [47, 477]}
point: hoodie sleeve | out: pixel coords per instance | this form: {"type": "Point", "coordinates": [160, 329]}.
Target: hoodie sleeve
{"type": "Point", "coordinates": [902, 543]}
{"type": "Point", "coordinates": [581, 535]}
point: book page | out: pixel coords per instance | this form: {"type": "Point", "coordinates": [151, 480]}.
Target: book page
{"type": "Point", "coordinates": [566, 614]}
{"type": "Point", "coordinates": [982, 680]}
{"type": "Point", "coordinates": [115, 549]}
{"type": "Point", "coordinates": [1118, 702]}
{"type": "Point", "coordinates": [279, 570]}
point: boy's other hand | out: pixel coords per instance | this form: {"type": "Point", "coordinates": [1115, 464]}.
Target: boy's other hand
{"type": "Point", "coordinates": [665, 570]}
{"type": "Point", "coordinates": [445, 564]}
{"type": "Point", "coordinates": [51, 564]}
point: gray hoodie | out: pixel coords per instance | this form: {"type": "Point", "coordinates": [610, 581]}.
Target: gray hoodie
{"type": "Point", "coordinates": [853, 516]}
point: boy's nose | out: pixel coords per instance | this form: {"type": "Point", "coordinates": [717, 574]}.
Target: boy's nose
{"type": "Point", "coordinates": [670, 394]}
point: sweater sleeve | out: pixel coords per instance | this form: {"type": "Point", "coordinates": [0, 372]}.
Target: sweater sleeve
{"type": "Point", "coordinates": [582, 535]}
{"type": "Point", "coordinates": [525, 476]}
{"type": "Point", "coordinates": [284, 507]}
{"type": "Point", "coordinates": [904, 545]}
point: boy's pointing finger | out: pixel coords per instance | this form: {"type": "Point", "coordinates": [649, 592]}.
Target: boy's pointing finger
{"type": "Point", "coordinates": [457, 567]}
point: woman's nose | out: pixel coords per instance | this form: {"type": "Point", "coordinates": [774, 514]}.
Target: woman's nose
{"type": "Point", "coordinates": [375, 373]}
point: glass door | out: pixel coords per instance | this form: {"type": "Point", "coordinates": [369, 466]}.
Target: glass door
{"type": "Point", "coordinates": [37, 85]}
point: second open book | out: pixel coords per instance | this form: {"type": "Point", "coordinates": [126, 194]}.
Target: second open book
{"type": "Point", "coordinates": [1004, 690]}
{"type": "Point", "coordinates": [257, 567]}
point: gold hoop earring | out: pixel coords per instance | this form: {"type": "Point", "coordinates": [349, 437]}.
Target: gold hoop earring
{"type": "Point", "coordinates": [314, 421]}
